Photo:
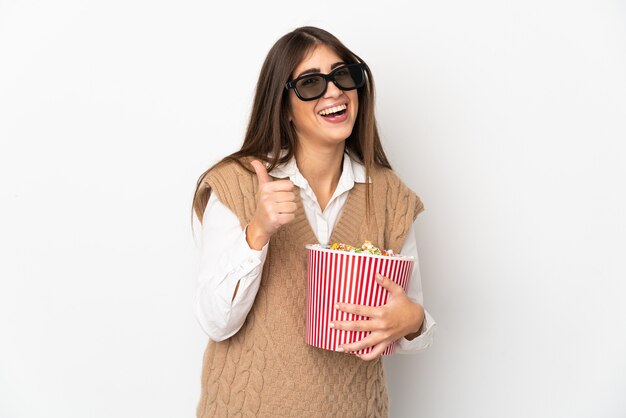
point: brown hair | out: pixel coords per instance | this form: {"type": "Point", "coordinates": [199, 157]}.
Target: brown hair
{"type": "Point", "coordinates": [269, 130]}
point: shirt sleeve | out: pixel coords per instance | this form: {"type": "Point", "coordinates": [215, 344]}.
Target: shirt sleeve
{"type": "Point", "coordinates": [225, 261]}
{"type": "Point", "coordinates": [414, 292]}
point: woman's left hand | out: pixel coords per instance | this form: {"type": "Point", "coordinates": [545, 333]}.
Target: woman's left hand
{"type": "Point", "coordinates": [386, 324]}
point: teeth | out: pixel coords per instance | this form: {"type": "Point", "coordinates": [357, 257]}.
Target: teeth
{"type": "Point", "coordinates": [333, 110]}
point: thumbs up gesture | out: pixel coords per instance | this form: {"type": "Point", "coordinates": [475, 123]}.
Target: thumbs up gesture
{"type": "Point", "coordinates": [276, 206]}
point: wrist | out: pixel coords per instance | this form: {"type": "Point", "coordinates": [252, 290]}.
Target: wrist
{"type": "Point", "coordinates": [255, 237]}
{"type": "Point", "coordinates": [421, 320]}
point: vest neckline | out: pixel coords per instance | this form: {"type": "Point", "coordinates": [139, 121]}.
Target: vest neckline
{"type": "Point", "coordinates": [350, 209]}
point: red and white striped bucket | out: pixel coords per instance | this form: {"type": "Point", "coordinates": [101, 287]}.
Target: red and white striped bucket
{"type": "Point", "coordinates": [340, 276]}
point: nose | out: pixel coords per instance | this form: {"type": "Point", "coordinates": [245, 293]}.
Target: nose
{"type": "Point", "coordinates": [332, 90]}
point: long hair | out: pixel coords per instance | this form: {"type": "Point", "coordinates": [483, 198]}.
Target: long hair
{"type": "Point", "coordinates": [269, 131]}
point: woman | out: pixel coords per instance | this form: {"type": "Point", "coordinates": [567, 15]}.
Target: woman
{"type": "Point", "coordinates": [299, 178]}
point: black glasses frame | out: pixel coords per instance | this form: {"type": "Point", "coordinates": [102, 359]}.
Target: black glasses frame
{"type": "Point", "coordinates": [328, 77]}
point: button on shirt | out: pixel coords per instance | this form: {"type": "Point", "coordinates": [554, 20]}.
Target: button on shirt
{"type": "Point", "coordinates": [226, 259]}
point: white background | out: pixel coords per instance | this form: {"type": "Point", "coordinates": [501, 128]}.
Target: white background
{"type": "Point", "coordinates": [507, 118]}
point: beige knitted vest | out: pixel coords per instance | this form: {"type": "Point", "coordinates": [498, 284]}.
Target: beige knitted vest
{"type": "Point", "coordinates": [266, 369]}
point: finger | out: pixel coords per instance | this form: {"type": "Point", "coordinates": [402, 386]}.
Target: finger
{"type": "Point", "coordinates": [388, 284]}
{"type": "Point", "coordinates": [366, 342]}
{"type": "Point", "coordinates": [376, 352]}
{"type": "Point", "coordinates": [261, 172]}
{"type": "Point", "coordinates": [285, 218]}
{"type": "Point", "coordinates": [280, 197]}
{"type": "Point", "coordinates": [285, 207]}
{"type": "Point", "coordinates": [280, 186]}
{"type": "Point", "coordinates": [368, 311]}
{"type": "Point", "coordinates": [368, 325]}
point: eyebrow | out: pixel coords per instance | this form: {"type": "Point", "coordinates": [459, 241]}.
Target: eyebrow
{"type": "Point", "coordinates": [317, 70]}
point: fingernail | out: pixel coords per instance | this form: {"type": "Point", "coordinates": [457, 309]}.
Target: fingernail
{"type": "Point", "coordinates": [332, 325]}
{"type": "Point", "coordinates": [379, 277]}
{"type": "Point", "coordinates": [336, 306]}
{"type": "Point", "coordinates": [340, 349]}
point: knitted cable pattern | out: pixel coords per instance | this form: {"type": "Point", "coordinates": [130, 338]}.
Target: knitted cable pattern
{"type": "Point", "coordinates": [266, 369]}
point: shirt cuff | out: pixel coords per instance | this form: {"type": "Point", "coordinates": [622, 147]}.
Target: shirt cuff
{"type": "Point", "coordinates": [244, 266]}
{"type": "Point", "coordinates": [422, 341]}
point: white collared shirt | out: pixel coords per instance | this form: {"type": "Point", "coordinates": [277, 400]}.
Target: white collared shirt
{"type": "Point", "coordinates": [226, 259]}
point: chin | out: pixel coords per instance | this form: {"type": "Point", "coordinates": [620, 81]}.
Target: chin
{"type": "Point", "coordinates": [335, 139]}
{"type": "Point", "coordinates": [339, 132]}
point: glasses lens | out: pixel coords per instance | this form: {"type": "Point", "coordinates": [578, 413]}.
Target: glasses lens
{"type": "Point", "coordinates": [312, 86]}
{"type": "Point", "coordinates": [349, 77]}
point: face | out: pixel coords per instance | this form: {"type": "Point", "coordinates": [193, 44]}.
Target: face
{"type": "Point", "coordinates": [321, 122]}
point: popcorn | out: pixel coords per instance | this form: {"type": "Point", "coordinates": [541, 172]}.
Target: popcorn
{"type": "Point", "coordinates": [366, 248]}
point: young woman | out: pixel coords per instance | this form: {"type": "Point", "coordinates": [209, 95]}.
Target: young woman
{"type": "Point", "coordinates": [311, 169]}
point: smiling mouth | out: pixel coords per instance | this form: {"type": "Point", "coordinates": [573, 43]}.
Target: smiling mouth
{"type": "Point", "coordinates": [333, 111]}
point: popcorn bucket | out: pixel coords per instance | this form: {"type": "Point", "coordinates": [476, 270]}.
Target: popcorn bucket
{"type": "Point", "coordinates": [340, 276]}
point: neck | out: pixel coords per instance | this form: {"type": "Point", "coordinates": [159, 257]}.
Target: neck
{"type": "Point", "coordinates": [322, 169]}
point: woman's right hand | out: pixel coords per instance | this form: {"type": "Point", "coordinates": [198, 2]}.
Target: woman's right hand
{"type": "Point", "coordinates": [276, 206]}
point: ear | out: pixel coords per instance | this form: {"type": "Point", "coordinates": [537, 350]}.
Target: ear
{"type": "Point", "coordinates": [289, 113]}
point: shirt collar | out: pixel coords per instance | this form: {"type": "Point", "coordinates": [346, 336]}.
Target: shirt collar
{"type": "Point", "coordinates": [353, 172]}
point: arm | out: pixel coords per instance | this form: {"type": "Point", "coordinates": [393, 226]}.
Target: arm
{"type": "Point", "coordinates": [424, 337]}
{"type": "Point", "coordinates": [402, 318]}
{"type": "Point", "coordinates": [232, 260]}
{"type": "Point", "coordinates": [229, 274]}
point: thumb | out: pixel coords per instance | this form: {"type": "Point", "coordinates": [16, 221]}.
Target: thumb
{"type": "Point", "coordinates": [391, 286]}
{"type": "Point", "coordinates": [261, 172]}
